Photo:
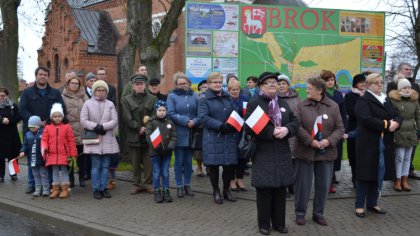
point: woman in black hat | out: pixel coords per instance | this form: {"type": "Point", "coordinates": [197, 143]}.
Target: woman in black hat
{"type": "Point", "coordinates": [272, 168]}
{"type": "Point", "coordinates": [358, 89]}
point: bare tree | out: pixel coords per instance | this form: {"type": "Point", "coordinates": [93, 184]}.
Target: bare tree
{"type": "Point", "coordinates": [403, 25]}
{"type": "Point", "coordinates": [9, 44]}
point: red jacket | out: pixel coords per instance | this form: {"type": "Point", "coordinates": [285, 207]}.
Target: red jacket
{"type": "Point", "coordinates": [57, 144]}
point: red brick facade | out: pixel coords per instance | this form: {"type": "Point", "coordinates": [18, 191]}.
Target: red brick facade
{"type": "Point", "coordinates": [64, 49]}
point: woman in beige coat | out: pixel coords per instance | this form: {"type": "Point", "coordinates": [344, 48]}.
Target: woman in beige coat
{"type": "Point", "coordinates": [74, 97]}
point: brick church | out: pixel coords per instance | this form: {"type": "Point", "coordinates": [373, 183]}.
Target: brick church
{"type": "Point", "coordinates": [83, 35]}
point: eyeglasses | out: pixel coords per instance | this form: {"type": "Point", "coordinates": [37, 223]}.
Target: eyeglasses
{"type": "Point", "coordinates": [181, 84]}
{"type": "Point", "coordinates": [379, 83]}
{"type": "Point", "coordinates": [101, 74]}
{"type": "Point", "coordinates": [74, 83]}
{"type": "Point", "coordinates": [270, 83]}
{"type": "Point", "coordinates": [217, 82]}
{"type": "Point", "coordinates": [100, 90]}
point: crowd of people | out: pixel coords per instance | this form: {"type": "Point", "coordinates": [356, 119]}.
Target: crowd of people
{"type": "Point", "coordinates": [74, 128]}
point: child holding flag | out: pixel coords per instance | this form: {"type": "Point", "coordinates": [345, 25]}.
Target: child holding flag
{"type": "Point", "coordinates": [161, 136]}
{"type": "Point", "coordinates": [57, 147]}
{"type": "Point", "coordinates": [32, 149]}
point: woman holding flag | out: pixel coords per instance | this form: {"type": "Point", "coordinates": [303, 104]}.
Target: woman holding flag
{"type": "Point", "coordinates": [219, 136]}
{"type": "Point", "coordinates": [315, 149]}
{"type": "Point", "coordinates": [9, 136]}
{"type": "Point", "coordinates": [271, 121]}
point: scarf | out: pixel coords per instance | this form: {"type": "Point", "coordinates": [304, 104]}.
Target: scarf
{"type": "Point", "coordinates": [273, 108]}
{"type": "Point", "coordinates": [381, 98]}
{"type": "Point", "coordinates": [330, 91]}
{"type": "Point", "coordinates": [357, 91]}
{"type": "Point", "coordinates": [6, 103]}
{"type": "Point", "coordinates": [252, 91]}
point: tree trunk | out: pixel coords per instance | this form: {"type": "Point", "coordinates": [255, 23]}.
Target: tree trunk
{"type": "Point", "coordinates": [9, 44]}
{"type": "Point", "coordinates": [139, 21]}
{"type": "Point", "coordinates": [125, 63]}
{"type": "Point", "coordinates": [417, 38]}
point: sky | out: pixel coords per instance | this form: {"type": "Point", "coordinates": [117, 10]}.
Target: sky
{"type": "Point", "coordinates": [31, 28]}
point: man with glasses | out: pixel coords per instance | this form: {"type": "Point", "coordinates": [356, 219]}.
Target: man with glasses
{"type": "Point", "coordinates": [101, 74]}
{"type": "Point", "coordinates": [406, 70]}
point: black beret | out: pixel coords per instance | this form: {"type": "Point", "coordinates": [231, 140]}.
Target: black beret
{"type": "Point", "coordinates": [266, 75]}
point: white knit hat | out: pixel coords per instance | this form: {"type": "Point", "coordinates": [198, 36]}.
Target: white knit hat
{"type": "Point", "coordinates": [56, 107]}
{"type": "Point", "coordinates": [100, 83]}
{"type": "Point", "coordinates": [402, 83]}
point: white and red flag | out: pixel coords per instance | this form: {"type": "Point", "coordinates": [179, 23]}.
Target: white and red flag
{"type": "Point", "coordinates": [13, 167]}
{"type": "Point", "coordinates": [244, 108]}
{"type": "Point", "coordinates": [156, 137]}
{"type": "Point", "coordinates": [257, 120]}
{"type": "Point", "coordinates": [236, 121]}
{"type": "Point", "coordinates": [317, 126]}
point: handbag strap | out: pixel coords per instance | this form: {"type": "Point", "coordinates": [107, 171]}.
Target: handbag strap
{"type": "Point", "coordinates": [103, 114]}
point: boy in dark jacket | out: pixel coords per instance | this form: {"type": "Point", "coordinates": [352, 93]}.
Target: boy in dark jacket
{"type": "Point", "coordinates": [161, 136]}
{"type": "Point", "coordinates": [32, 149]}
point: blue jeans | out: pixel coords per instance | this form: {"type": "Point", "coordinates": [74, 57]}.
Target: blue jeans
{"type": "Point", "coordinates": [381, 164]}
{"type": "Point", "coordinates": [100, 166]}
{"type": "Point", "coordinates": [183, 165]}
{"type": "Point", "coordinates": [160, 168]}
{"type": "Point", "coordinates": [31, 179]}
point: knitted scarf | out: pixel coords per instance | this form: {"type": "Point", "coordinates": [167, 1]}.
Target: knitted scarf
{"type": "Point", "coordinates": [273, 108]}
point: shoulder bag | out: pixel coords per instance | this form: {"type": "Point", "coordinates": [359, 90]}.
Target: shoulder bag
{"type": "Point", "coordinates": [89, 136]}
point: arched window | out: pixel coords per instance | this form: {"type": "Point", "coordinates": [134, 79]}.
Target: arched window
{"type": "Point", "coordinates": [49, 65]}
{"type": "Point", "coordinates": [57, 68]}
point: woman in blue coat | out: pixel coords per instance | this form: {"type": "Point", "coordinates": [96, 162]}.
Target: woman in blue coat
{"type": "Point", "coordinates": [182, 110]}
{"type": "Point", "coordinates": [220, 147]}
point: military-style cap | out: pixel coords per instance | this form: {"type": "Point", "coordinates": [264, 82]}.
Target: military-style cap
{"type": "Point", "coordinates": [138, 78]}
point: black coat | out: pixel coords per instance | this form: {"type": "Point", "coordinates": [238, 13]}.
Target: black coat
{"type": "Point", "coordinates": [371, 116]}
{"type": "Point", "coordinates": [33, 104]}
{"type": "Point", "coordinates": [272, 166]}
{"type": "Point", "coordinates": [339, 99]}
{"type": "Point", "coordinates": [9, 136]}
{"type": "Point", "coordinates": [350, 102]}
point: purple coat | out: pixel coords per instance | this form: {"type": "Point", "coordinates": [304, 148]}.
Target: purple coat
{"type": "Point", "coordinates": [90, 116]}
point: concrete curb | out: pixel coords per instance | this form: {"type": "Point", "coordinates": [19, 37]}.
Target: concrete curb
{"type": "Point", "coordinates": [61, 220]}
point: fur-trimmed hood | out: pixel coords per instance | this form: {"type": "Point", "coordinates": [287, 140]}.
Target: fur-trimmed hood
{"type": "Point", "coordinates": [395, 94]}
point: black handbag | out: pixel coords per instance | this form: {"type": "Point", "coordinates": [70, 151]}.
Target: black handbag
{"type": "Point", "coordinates": [196, 139]}
{"type": "Point", "coordinates": [247, 146]}
{"type": "Point", "coordinates": [89, 137]}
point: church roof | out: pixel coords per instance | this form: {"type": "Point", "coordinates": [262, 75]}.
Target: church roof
{"type": "Point", "coordinates": [83, 3]}
{"type": "Point", "coordinates": [97, 28]}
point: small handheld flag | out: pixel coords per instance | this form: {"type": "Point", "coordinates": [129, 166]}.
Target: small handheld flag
{"type": "Point", "coordinates": [236, 121]}
{"type": "Point", "coordinates": [156, 137]}
{"type": "Point", "coordinates": [13, 167]}
{"type": "Point", "coordinates": [257, 120]}
{"type": "Point", "coordinates": [244, 108]}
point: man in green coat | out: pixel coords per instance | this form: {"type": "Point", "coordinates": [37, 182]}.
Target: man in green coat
{"type": "Point", "coordinates": [135, 107]}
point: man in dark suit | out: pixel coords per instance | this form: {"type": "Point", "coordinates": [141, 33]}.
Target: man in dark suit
{"type": "Point", "coordinates": [90, 78]}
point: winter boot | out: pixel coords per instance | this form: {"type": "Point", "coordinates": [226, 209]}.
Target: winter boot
{"type": "Point", "coordinates": [55, 191]}
{"type": "Point", "coordinates": [167, 195]}
{"type": "Point", "coordinates": [111, 184]}
{"type": "Point", "coordinates": [227, 195]}
{"type": "Point", "coordinates": [158, 196]}
{"type": "Point", "coordinates": [37, 192]}
{"type": "Point", "coordinates": [45, 190]}
{"type": "Point", "coordinates": [64, 191]}
{"type": "Point", "coordinates": [404, 184]}
{"type": "Point", "coordinates": [82, 181]}
{"type": "Point", "coordinates": [71, 179]}
{"type": "Point", "coordinates": [397, 185]}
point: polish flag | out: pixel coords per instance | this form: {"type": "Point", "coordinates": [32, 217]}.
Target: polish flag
{"type": "Point", "coordinates": [244, 108]}
{"type": "Point", "coordinates": [235, 120]}
{"type": "Point", "coordinates": [257, 120]}
{"type": "Point", "coordinates": [13, 167]}
{"type": "Point", "coordinates": [317, 126]}
{"type": "Point", "coordinates": [156, 137]}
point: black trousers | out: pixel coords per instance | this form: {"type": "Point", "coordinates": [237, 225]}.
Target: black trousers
{"type": "Point", "coordinates": [227, 176]}
{"type": "Point", "coordinates": [240, 168]}
{"type": "Point", "coordinates": [81, 163]}
{"type": "Point", "coordinates": [271, 206]}
{"type": "Point", "coordinates": [351, 154]}
{"type": "Point", "coordinates": [3, 166]}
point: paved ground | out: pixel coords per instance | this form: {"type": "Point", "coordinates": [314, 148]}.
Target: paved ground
{"type": "Point", "coordinates": [125, 214]}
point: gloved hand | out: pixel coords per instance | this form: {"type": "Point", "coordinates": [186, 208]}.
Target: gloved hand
{"type": "Point", "coordinates": [98, 129]}
{"type": "Point", "coordinates": [226, 128]}
{"type": "Point", "coordinates": [73, 164]}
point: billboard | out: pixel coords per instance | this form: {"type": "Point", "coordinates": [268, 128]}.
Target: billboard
{"type": "Point", "coordinates": [246, 40]}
